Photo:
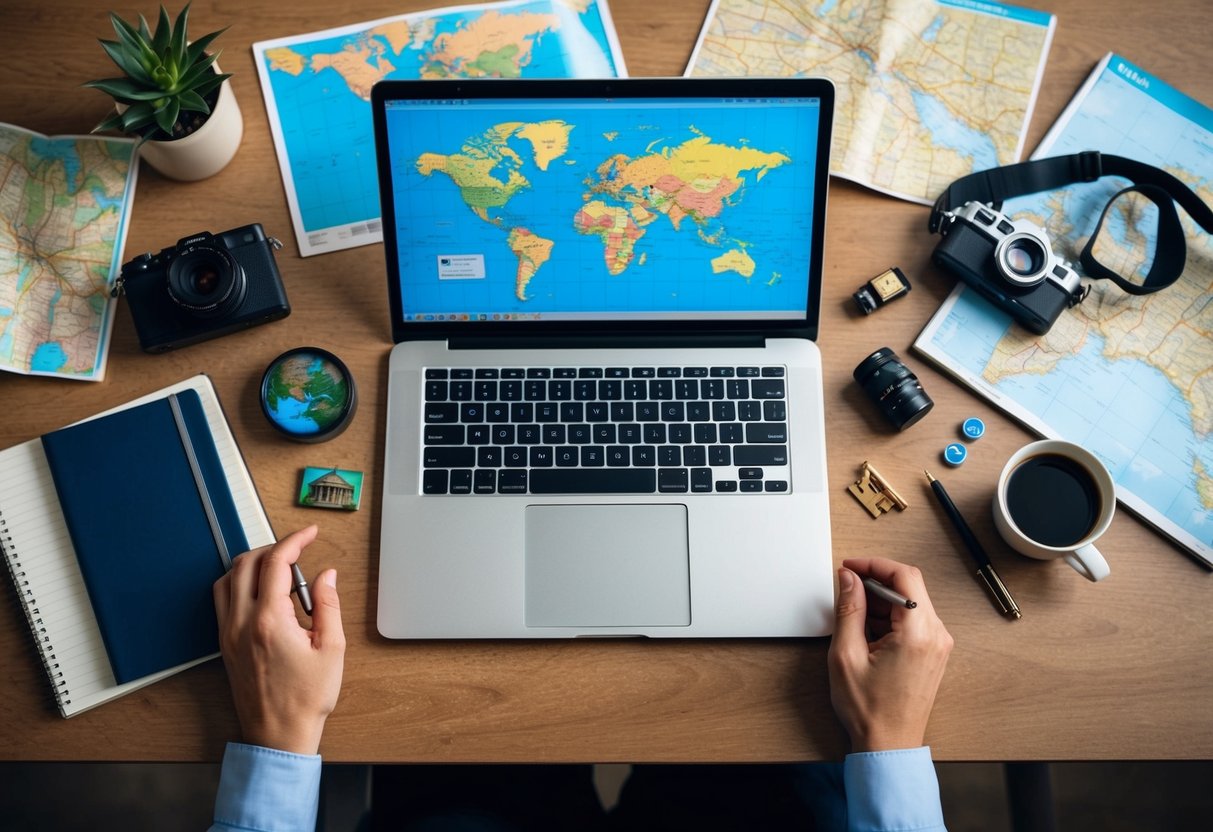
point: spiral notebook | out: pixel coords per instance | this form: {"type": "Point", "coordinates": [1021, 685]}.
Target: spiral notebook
{"type": "Point", "coordinates": [109, 609]}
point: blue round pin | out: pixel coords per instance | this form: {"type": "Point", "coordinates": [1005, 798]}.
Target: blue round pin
{"type": "Point", "coordinates": [955, 453]}
{"type": "Point", "coordinates": [973, 428]}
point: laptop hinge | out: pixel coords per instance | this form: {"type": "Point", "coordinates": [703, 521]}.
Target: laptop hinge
{"type": "Point", "coordinates": [544, 342]}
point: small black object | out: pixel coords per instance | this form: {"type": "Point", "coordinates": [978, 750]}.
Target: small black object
{"type": "Point", "coordinates": [893, 387]}
{"type": "Point", "coordinates": [886, 286]}
{"type": "Point", "coordinates": [205, 286]}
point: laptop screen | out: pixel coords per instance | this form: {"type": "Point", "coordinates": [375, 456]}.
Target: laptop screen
{"type": "Point", "coordinates": [627, 202]}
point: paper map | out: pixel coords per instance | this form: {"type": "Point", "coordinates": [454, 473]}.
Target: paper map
{"type": "Point", "coordinates": [317, 90]}
{"type": "Point", "coordinates": [1130, 378]}
{"type": "Point", "coordinates": [64, 209]}
{"type": "Point", "coordinates": [928, 90]}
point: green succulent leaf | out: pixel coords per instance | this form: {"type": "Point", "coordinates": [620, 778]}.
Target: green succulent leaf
{"type": "Point", "coordinates": [166, 117]}
{"type": "Point", "coordinates": [196, 49]}
{"type": "Point", "coordinates": [164, 30]}
{"type": "Point", "coordinates": [137, 115]}
{"type": "Point", "coordinates": [144, 32]}
{"type": "Point", "coordinates": [194, 102]}
{"type": "Point", "coordinates": [126, 62]}
{"type": "Point", "coordinates": [132, 41]}
{"type": "Point", "coordinates": [198, 73]}
{"type": "Point", "coordinates": [114, 122]}
{"type": "Point", "coordinates": [139, 122]}
{"type": "Point", "coordinates": [125, 90]}
{"type": "Point", "coordinates": [177, 43]}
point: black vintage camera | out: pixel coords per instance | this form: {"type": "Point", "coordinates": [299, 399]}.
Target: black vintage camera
{"type": "Point", "coordinates": [205, 286]}
{"type": "Point", "coordinates": [1010, 262]}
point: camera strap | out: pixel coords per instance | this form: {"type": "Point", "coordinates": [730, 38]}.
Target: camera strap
{"type": "Point", "coordinates": [1163, 189]}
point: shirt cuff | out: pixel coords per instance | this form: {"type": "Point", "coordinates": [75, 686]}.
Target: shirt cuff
{"type": "Point", "coordinates": [892, 790]}
{"type": "Point", "coordinates": [266, 790]}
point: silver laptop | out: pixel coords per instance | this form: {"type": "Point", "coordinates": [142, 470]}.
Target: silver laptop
{"type": "Point", "coordinates": [605, 400]}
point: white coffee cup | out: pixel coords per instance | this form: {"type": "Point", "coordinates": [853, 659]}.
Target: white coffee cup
{"type": "Point", "coordinates": [1062, 499]}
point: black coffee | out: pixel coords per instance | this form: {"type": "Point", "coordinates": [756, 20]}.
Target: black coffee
{"type": "Point", "coordinates": [1053, 500]}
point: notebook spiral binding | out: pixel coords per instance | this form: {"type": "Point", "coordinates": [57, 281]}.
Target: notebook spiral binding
{"type": "Point", "coordinates": [33, 615]}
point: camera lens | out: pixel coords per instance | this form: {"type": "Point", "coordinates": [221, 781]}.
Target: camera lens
{"type": "Point", "coordinates": [1022, 259]}
{"type": "Point", "coordinates": [206, 282]}
{"type": "Point", "coordinates": [893, 387]}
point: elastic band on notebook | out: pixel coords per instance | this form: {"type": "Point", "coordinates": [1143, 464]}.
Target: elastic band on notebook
{"type": "Point", "coordinates": [203, 494]}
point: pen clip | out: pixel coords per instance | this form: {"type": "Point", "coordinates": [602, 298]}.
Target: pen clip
{"type": "Point", "coordinates": [998, 591]}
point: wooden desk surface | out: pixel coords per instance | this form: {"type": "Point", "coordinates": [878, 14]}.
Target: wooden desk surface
{"type": "Point", "coordinates": [1115, 670]}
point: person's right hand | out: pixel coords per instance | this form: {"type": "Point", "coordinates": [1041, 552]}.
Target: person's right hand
{"type": "Point", "coordinates": [883, 689]}
{"type": "Point", "coordinates": [285, 678]}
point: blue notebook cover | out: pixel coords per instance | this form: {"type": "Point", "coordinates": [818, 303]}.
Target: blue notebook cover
{"type": "Point", "coordinates": [139, 523]}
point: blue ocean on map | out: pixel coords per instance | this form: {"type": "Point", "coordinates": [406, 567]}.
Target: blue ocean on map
{"type": "Point", "coordinates": [947, 131]}
{"type": "Point", "coordinates": [1126, 412]}
{"type": "Point", "coordinates": [48, 358]}
{"type": "Point", "coordinates": [671, 269]}
{"type": "Point", "coordinates": [327, 128]}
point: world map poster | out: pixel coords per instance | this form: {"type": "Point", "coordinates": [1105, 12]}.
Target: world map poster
{"type": "Point", "coordinates": [317, 90]}
{"type": "Point", "coordinates": [1128, 377]}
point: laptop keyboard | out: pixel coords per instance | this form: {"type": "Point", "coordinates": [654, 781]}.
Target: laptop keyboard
{"type": "Point", "coordinates": [605, 430]}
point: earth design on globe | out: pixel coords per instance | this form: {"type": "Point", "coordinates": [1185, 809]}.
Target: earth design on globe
{"type": "Point", "coordinates": [306, 394]}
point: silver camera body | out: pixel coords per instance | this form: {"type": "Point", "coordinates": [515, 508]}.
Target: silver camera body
{"type": "Point", "coordinates": [1010, 262]}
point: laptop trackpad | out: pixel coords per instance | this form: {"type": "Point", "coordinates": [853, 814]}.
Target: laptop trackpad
{"type": "Point", "coordinates": [607, 566]}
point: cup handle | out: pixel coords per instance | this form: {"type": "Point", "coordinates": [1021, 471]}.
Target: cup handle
{"type": "Point", "coordinates": [1089, 563]}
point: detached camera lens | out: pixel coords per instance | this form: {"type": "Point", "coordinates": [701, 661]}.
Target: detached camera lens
{"type": "Point", "coordinates": [893, 387]}
{"type": "Point", "coordinates": [206, 282]}
{"type": "Point", "coordinates": [1022, 259]}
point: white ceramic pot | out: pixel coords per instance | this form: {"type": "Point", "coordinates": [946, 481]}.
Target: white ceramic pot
{"type": "Point", "coordinates": [207, 150]}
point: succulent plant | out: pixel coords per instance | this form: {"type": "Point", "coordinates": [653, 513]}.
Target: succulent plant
{"type": "Point", "coordinates": [165, 75]}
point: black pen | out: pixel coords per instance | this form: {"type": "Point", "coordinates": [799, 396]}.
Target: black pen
{"type": "Point", "coordinates": [300, 589]}
{"type": "Point", "coordinates": [985, 570]}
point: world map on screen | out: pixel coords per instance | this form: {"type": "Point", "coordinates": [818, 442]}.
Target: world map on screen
{"type": "Point", "coordinates": [620, 210]}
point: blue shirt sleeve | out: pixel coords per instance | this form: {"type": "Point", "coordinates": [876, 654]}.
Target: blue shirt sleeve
{"type": "Point", "coordinates": [892, 790]}
{"type": "Point", "coordinates": [265, 790]}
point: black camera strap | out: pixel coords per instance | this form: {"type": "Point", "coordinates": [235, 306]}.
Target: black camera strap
{"type": "Point", "coordinates": [1164, 190]}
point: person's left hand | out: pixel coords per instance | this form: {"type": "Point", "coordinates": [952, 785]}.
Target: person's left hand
{"type": "Point", "coordinates": [285, 678]}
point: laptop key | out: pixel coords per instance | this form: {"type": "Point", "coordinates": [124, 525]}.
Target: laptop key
{"type": "Point", "coordinates": [461, 481]}
{"type": "Point", "coordinates": [488, 457]}
{"type": "Point", "coordinates": [485, 481]}
{"type": "Point", "coordinates": [766, 433]}
{"type": "Point", "coordinates": [443, 457]}
{"type": "Point", "coordinates": [673, 480]}
{"type": "Point", "coordinates": [767, 388]}
{"type": "Point", "coordinates": [435, 482]}
{"type": "Point", "coordinates": [438, 413]}
{"type": "Point", "coordinates": [511, 482]}
{"type": "Point", "coordinates": [759, 455]}
{"type": "Point", "coordinates": [435, 391]}
{"type": "Point", "coordinates": [444, 434]}
{"type": "Point", "coordinates": [751, 411]}
{"type": "Point", "coordinates": [777, 486]}
{"type": "Point", "coordinates": [726, 486]}
{"type": "Point", "coordinates": [701, 480]}
{"type": "Point", "coordinates": [597, 481]}
{"type": "Point", "coordinates": [751, 486]}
